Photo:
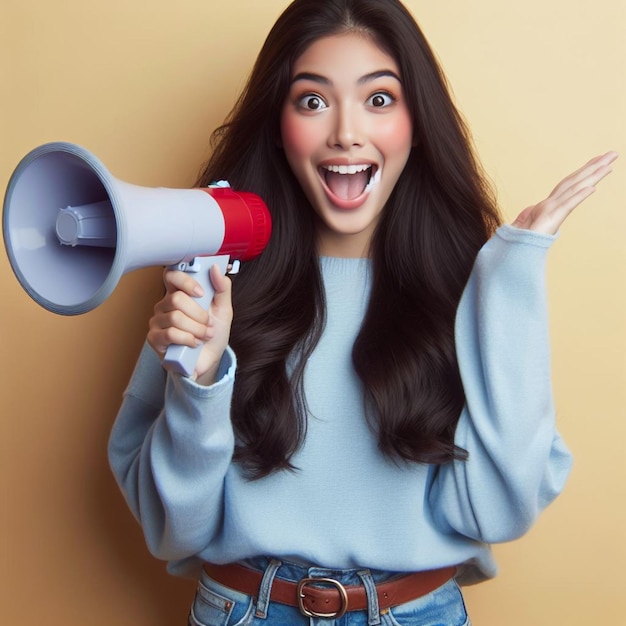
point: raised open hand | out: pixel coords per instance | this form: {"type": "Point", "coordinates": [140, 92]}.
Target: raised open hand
{"type": "Point", "coordinates": [547, 216]}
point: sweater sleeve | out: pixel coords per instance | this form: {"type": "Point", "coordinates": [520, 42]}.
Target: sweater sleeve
{"type": "Point", "coordinates": [517, 461]}
{"type": "Point", "coordinates": [170, 448]}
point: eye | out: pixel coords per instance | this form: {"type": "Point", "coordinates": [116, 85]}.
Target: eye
{"type": "Point", "coordinates": [380, 99]}
{"type": "Point", "coordinates": [311, 102]}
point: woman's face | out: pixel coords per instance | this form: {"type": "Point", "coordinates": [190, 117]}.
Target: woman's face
{"type": "Point", "coordinates": [347, 134]}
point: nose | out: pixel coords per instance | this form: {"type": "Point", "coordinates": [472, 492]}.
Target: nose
{"type": "Point", "coordinates": [348, 130]}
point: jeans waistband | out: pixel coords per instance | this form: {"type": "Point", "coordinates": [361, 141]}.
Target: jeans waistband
{"type": "Point", "coordinates": [294, 571]}
{"type": "Point", "coordinates": [323, 592]}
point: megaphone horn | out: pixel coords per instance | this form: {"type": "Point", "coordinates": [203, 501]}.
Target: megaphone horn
{"type": "Point", "coordinates": [71, 230]}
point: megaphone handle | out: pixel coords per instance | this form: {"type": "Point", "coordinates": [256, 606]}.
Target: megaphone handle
{"type": "Point", "coordinates": [183, 359]}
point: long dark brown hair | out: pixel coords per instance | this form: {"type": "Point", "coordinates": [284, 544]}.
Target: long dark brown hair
{"type": "Point", "coordinates": [439, 215]}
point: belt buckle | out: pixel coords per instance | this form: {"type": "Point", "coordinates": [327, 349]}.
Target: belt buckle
{"type": "Point", "coordinates": [343, 594]}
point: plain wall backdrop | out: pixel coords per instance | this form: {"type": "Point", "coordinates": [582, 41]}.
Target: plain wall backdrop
{"type": "Point", "coordinates": [141, 83]}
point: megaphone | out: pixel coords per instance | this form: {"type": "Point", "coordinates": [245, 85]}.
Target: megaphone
{"type": "Point", "coordinates": [71, 230]}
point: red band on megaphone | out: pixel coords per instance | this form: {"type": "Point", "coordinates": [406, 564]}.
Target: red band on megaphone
{"type": "Point", "coordinates": [247, 222]}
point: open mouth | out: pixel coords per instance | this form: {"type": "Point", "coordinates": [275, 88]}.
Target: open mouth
{"type": "Point", "coordinates": [349, 182]}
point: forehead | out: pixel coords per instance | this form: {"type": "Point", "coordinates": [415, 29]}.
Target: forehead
{"type": "Point", "coordinates": [347, 53]}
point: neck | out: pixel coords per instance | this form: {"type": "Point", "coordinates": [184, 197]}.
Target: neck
{"type": "Point", "coordinates": [346, 246]}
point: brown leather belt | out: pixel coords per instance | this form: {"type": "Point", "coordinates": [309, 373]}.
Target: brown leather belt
{"type": "Point", "coordinates": [326, 597]}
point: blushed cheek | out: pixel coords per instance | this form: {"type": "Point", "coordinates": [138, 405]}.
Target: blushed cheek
{"type": "Point", "coordinates": [397, 136]}
{"type": "Point", "coordinates": [298, 139]}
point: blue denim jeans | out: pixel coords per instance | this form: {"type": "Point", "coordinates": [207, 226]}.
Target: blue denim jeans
{"type": "Point", "coordinates": [216, 605]}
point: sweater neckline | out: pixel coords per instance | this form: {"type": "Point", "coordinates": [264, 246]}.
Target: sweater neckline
{"type": "Point", "coordinates": [344, 266]}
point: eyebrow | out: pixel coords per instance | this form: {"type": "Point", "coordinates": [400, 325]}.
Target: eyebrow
{"type": "Point", "coordinates": [322, 80]}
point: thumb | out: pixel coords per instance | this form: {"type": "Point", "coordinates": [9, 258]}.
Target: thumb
{"type": "Point", "coordinates": [222, 286]}
{"type": "Point", "coordinates": [523, 220]}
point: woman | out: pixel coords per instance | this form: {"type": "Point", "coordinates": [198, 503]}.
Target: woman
{"type": "Point", "coordinates": [358, 419]}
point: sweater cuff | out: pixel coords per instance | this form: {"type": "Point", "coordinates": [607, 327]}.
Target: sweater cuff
{"type": "Point", "coordinates": [512, 234]}
{"type": "Point", "coordinates": [224, 379]}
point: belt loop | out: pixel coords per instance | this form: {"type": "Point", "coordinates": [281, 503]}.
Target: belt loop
{"type": "Point", "coordinates": [265, 589]}
{"type": "Point", "coordinates": [373, 611]}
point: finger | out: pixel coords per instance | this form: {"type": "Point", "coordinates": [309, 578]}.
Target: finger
{"type": "Point", "coordinates": [597, 161]}
{"type": "Point", "coordinates": [173, 326]}
{"type": "Point", "coordinates": [162, 339]}
{"type": "Point", "coordinates": [588, 175]}
{"type": "Point", "coordinates": [589, 178]}
{"type": "Point", "coordinates": [183, 303]}
{"type": "Point", "coordinates": [580, 190]}
{"type": "Point", "coordinates": [176, 318]}
{"type": "Point", "coordinates": [175, 280]}
{"type": "Point", "coordinates": [555, 218]}
{"type": "Point", "coordinates": [549, 215]}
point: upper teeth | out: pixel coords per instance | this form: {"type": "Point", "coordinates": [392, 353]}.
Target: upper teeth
{"type": "Point", "coordinates": [347, 169]}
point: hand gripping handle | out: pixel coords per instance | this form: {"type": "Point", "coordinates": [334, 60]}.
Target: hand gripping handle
{"type": "Point", "coordinates": [183, 359]}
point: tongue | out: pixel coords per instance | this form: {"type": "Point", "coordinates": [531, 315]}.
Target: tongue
{"type": "Point", "coordinates": [347, 186]}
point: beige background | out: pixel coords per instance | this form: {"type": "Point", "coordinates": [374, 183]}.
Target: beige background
{"type": "Point", "coordinates": [141, 83]}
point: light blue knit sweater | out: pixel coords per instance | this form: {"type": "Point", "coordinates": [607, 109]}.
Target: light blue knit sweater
{"type": "Point", "coordinates": [348, 506]}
